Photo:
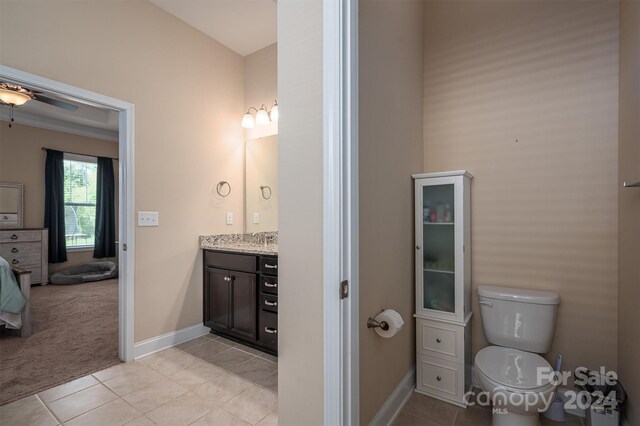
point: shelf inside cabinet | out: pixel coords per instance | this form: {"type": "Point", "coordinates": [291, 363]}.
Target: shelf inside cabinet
{"type": "Point", "coordinates": [438, 271]}
{"type": "Point", "coordinates": [438, 223]}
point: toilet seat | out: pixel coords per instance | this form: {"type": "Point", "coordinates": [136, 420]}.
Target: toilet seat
{"type": "Point", "coordinates": [513, 369]}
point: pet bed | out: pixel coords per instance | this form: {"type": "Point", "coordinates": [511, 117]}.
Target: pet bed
{"type": "Point", "coordinates": [85, 273]}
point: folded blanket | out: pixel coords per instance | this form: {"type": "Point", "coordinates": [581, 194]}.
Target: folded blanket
{"type": "Point", "coordinates": [11, 298]}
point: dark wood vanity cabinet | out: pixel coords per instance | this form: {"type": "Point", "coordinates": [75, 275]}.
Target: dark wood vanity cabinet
{"type": "Point", "coordinates": [240, 297]}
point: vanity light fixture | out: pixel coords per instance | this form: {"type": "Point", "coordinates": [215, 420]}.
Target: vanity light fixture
{"type": "Point", "coordinates": [262, 117]}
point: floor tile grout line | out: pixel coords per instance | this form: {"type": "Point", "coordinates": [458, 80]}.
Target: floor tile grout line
{"type": "Point", "coordinates": [48, 410]}
{"type": "Point", "coordinates": [94, 408]}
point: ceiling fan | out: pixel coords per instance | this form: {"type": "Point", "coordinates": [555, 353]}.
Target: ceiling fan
{"type": "Point", "coordinates": [14, 95]}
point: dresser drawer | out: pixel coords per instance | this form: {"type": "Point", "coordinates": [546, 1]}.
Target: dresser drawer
{"type": "Point", "coordinates": [440, 378]}
{"type": "Point", "coordinates": [21, 251]}
{"type": "Point", "coordinates": [269, 284]}
{"type": "Point", "coordinates": [18, 236]}
{"type": "Point", "coordinates": [268, 330]}
{"type": "Point", "coordinates": [440, 340]}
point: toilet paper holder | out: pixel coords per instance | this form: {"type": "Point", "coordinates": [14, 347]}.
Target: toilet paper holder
{"type": "Point", "coordinates": [371, 323]}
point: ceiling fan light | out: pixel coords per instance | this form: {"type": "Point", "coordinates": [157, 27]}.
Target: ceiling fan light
{"type": "Point", "coordinates": [247, 121]}
{"type": "Point", "coordinates": [262, 117]}
{"type": "Point", "coordinates": [274, 113]}
{"type": "Point", "coordinates": [12, 97]}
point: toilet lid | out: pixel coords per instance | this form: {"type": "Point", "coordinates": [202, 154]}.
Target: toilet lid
{"type": "Point", "coordinates": [513, 368]}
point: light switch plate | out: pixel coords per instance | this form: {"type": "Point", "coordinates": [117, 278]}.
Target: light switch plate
{"type": "Point", "coordinates": [229, 218]}
{"type": "Point", "coordinates": [148, 219]}
{"type": "Point", "coordinates": [256, 218]}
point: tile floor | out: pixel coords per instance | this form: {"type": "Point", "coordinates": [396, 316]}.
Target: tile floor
{"type": "Point", "coordinates": [207, 381]}
{"type": "Point", "coordinates": [422, 410]}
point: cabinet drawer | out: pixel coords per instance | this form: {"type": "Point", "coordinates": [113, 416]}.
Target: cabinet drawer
{"type": "Point", "coordinates": [268, 330]}
{"type": "Point", "coordinates": [17, 236]}
{"type": "Point", "coordinates": [236, 262]}
{"type": "Point", "coordinates": [440, 340]}
{"type": "Point", "coordinates": [440, 377]}
{"type": "Point", "coordinates": [268, 302]}
{"type": "Point", "coordinates": [269, 265]}
{"type": "Point", "coordinates": [23, 260]}
{"type": "Point", "coordinates": [269, 285]}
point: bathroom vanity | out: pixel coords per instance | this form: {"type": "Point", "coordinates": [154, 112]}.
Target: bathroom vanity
{"type": "Point", "coordinates": [241, 288]}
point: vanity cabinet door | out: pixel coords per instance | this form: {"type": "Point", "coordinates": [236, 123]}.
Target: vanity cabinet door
{"type": "Point", "coordinates": [243, 305]}
{"type": "Point", "coordinates": [217, 300]}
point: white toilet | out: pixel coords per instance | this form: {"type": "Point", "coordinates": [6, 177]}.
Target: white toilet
{"type": "Point", "coordinates": [520, 323]}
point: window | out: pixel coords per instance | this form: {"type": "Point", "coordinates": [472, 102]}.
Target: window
{"type": "Point", "coordinates": [80, 185]}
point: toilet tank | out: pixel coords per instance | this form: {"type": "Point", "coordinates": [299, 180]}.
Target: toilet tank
{"type": "Point", "coordinates": [518, 318]}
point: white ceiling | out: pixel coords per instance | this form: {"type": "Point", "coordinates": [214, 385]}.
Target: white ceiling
{"type": "Point", "coordinates": [244, 26]}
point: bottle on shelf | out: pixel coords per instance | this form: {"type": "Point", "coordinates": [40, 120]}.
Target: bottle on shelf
{"type": "Point", "coordinates": [434, 217]}
{"type": "Point", "coordinates": [426, 214]}
{"type": "Point", "coordinates": [439, 212]}
{"type": "Point", "coordinates": [447, 213]}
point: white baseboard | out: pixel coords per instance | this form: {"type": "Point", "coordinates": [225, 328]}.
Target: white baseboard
{"type": "Point", "coordinates": [158, 343]}
{"type": "Point", "coordinates": [400, 395]}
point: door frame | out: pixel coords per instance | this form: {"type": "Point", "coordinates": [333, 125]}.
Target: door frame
{"type": "Point", "coordinates": [126, 172]}
{"type": "Point", "coordinates": [340, 212]}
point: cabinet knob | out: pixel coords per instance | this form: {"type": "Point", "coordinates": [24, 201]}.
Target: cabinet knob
{"type": "Point", "coordinates": [15, 261]}
{"type": "Point", "coordinates": [266, 284]}
{"type": "Point", "coordinates": [439, 378]}
{"type": "Point", "coordinates": [270, 330]}
{"type": "Point", "coordinates": [418, 247]}
{"type": "Point", "coordinates": [14, 237]}
{"type": "Point", "coordinates": [14, 250]}
{"type": "Point", "coordinates": [266, 302]}
{"type": "Point", "coordinates": [268, 266]}
{"type": "Point", "coordinates": [438, 340]}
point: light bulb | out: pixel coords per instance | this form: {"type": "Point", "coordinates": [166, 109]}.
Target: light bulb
{"type": "Point", "coordinates": [274, 113]}
{"type": "Point", "coordinates": [247, 121]}
{"type": "Point", "coordinates": [262, 117]}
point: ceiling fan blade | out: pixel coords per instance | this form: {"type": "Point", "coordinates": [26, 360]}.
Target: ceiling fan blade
{"type": "Point", "coordinates": [57, 103]}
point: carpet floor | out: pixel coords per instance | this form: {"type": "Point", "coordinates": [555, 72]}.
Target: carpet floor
{"type": "Point", "coordinates": [74, 333]}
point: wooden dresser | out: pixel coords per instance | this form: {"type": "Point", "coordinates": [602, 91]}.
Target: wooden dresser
{"type": "Point", "coordinates": [28, 249]}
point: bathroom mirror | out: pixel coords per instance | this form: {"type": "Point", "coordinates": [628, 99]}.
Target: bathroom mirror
{"type": "Point", "coordinates": [11, 196]}
{"type": "Point", "coordinates": [261, 184]}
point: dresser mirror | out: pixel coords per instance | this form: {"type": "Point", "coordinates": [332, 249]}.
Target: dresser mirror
{"type": "Point", "coordinates": [261, 184]}
{"type": "Point", "coordinates": [11, 205]}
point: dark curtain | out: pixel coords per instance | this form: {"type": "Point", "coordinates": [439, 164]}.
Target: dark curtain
{"type": "Point", "coordinates": [54, 205]}
{"type": "Point", "coordinates": [105, 245]}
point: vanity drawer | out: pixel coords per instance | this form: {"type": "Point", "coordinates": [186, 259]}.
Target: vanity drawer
{"type": "Point", "coordinates": [18, 236]}
{"type": "Point", "coordinates": [268, 302]}
{"type": "Point", "coordinates": [268, 330]}
{"type": "Point", "coordinates": [269, 265]}
{"type": "Point", "coordinates": [235, 262]}
{"type": "Point", "coordinates": [440, 378]}
{"type": "Point", "coordinates": [440, 340]}
{"type": "Point", "coordinates": [268, 284]}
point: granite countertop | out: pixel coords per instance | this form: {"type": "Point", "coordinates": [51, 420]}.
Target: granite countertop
{"type": "Point", "coordinates": [258, 243]}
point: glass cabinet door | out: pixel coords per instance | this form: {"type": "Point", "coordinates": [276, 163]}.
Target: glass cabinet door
{"type": "Point", "coordinates": [438, 239]}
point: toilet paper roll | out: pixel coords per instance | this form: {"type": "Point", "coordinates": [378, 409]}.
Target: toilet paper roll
{"type": "Point", "coordinates": [394, 320]}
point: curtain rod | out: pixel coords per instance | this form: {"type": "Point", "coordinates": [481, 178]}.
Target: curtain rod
{"type": "Point", "coordinates": [79, 153]}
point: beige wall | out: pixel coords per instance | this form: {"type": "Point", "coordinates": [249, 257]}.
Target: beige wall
{"type": "Point", "coordinates": [186, 141]}
{"type": "Point", "coordinates": [525, 96]}
{"type": "Point", "coordinates": [22, 161]}
{"type": "Point", "coordinates": [629, 207]}
{"type": "Point", "coordinates": [390, 102]}
{"type": "Point", "coordinates": [261, 86]}
{"type": "Point", "coordinates": [300, 325]}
